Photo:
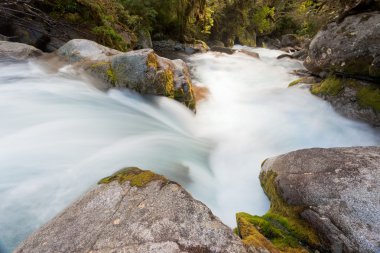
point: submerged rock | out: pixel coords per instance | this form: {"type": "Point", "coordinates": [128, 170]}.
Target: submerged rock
{"type": "Point", "coordinates": [139, 70]}
{"type": "Point", "coordinates": [349, 48]}
{"type": "Point", "coordinates": [16, 51]}
{"type": "Point", "coordinates": [335, 190]}
{"type": "Point", "coordinates": [134, 211]}
{"type": "Point", "coordinates": [249, 53]}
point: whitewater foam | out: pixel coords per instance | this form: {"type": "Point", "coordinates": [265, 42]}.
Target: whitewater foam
{"type": "Point", "coordinates": [59, 135]}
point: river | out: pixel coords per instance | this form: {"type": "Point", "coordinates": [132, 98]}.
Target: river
{"type": "Point", "coordinates": [59, 135]}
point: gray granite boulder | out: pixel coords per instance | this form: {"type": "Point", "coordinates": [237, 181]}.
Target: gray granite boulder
{"type": "Point", "coordinates": [337, 191]}
{"type": "Point", "coordinates": [134, 211]}
{"type": "Point", "coordinates": [350, 47]}
{"type": "Point", "coordinates": [139, 70]}
{"type": "Point", "coordinates": [17, 51]}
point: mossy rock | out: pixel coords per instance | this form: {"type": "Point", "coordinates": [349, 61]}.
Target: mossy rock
{"type": "Point", "coordinates": [251, 236]}
{"type": "Point", "coordinates": [369, 97]}
{"type": "Point", "coordinates": [305, 80]}
{"type": "Point", "coordinates": [331, 86]}
{"type": "Point", "coordinates": [164, 81]}
{"type": "Point", "coordinates": [289, 213]}
{"type": "Point", "coordinates": [273, 232]}
{"type": "Point", "coordinates": [282, 225]}
{"type": "Point", "coordinates": [295, 82]}
{"type": "Point", "coordinates": [135, 176]}
{"type": "Point", "coordinates": [103, 70]}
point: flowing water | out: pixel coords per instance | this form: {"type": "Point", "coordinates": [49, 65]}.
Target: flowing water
{"type": "Point", "coordinates": [59, 136]}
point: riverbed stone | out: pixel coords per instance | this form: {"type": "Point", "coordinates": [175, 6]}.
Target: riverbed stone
{"type": "Point", "coordinates": [335, 190]}
{"type": "Point", "coordinates": [134, 211]}
{"type": "Point", "coordinates": [350, 47]}
{"type": "Point", "coordinates": [11, 51]}
{"type": "Point", "coordinates": [140, 70]}
{"type": "Point", "coordinates": [225, 50]}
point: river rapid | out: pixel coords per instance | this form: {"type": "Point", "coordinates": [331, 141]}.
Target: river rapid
{"type": "Point", "coordinates": [59, 135]}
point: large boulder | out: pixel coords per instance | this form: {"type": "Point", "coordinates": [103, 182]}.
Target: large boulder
{"type": "Point", "coordinates": [335, 190]}
{"type": "Point", "coordinates": [350, 47]}
{"type": "Point", "coordinates": [16, 51]}
{"type": "Point", "coordinates": [140, 70]}
{"type": "Point", "coordinates": [135, 211]}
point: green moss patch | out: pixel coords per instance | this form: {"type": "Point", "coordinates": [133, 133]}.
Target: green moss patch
{"type": "Point", "coordinates": [135, 176]}
{"type": "Point", "coordinates": [284, 235]}
{"type": "Point", "coordinates": [282, 225]}
{"type": "Point", "coordinates": [369, 97]}
{"type": "Point", "coordinates": [250, 234]}
{"type": "Point", "coordinates": [295, 82]}
{"type": "Point", "coordinates": [331, 86]}
{"type": "Point", "coordinates": [290, 213]}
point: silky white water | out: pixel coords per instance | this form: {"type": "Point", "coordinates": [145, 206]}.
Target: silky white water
{"type": "Point", "coordinates": [59, 136]}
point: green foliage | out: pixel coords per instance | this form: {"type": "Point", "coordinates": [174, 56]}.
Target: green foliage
{"type": "Point", "coordinates": [262, 18]}
{"type": "Point", "coordinates": [143, 14]}
{"type": "Point", "coordinates": [229, 21]}
{"type": "Point", "coordinates": [107, 20]}
{"type": "Point", "coordinates": [109, 37]}
{"type": "Point", "coordinates": [174, 18]}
